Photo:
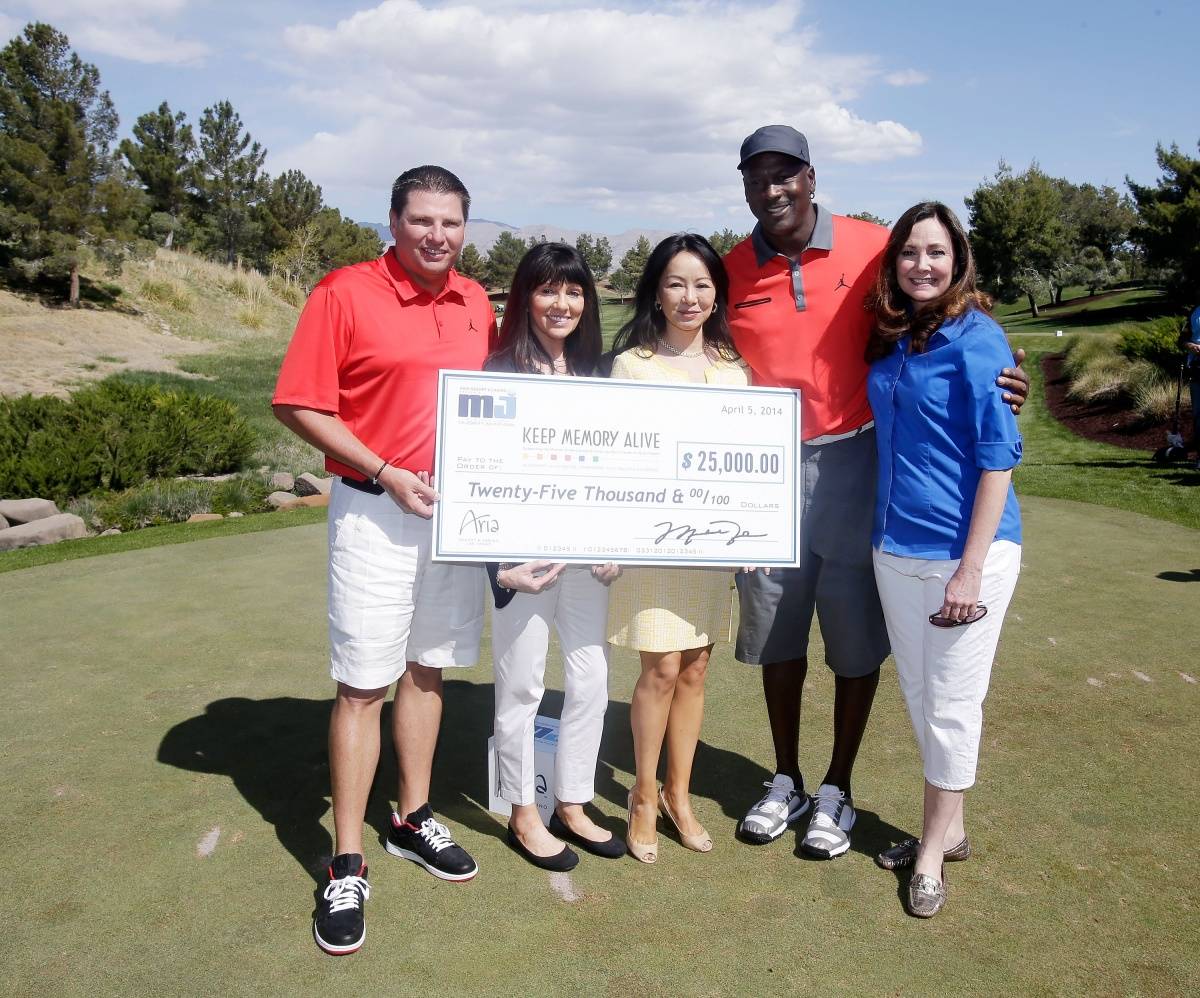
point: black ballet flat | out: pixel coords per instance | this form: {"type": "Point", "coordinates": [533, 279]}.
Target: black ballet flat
{"type": "Point", "coordinates": [612, 848]}
{"type": "Point", "coordinates": [560, 862]}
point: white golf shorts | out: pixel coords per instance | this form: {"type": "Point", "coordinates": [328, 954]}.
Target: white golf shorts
{"type": "Point", "coordinates": [389, 604]}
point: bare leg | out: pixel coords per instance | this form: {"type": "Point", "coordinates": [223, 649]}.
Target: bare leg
{"type": "Point", "coordinates": [783, 686]}
{"type": "Point", "coordinates": [576, 819]}
{"type": "Point", "coordinates": [852, 700]}
{"type": "Point", "coordinates": [683, 734]}
{"type": "Point", "coordinates": [941, 807]}
{"type": "Point", "coordinates": [526, 823]}
{"type": "Point", "coordinates": [956, 831]}
{"type": "Point", "coordinates": [648, 716]}
{"type": "Point", "coordinates": [353, 757]}
{"type": "Point", "coordinates": [416, 718]}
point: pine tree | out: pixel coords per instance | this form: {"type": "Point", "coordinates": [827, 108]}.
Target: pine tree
{"type": "Point", "coordinates": [626, 276]}
{"type": "Point", "coordinates": [162, 154]}
{"type": "Point", "coordinates": [56, 125]}
{"type": "Point", "coordinates": [290, 202]}
{"type": "Point", "coordinates": [229, 185]}
{"type": "Point", "coordinates": [596, 252]}
{"type": "Point", "coordinates": [471, 263]}
{"type": "Point", "coordinates": [725, 240]}
{"type": "Point", "coordinates": [502, 260]}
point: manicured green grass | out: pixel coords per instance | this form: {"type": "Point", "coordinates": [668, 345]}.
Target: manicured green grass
{"type": "Point", "coordinates": [166, 791]}
{"type": "Point", "coordinates": [152, 537]}
{"type": "Point", "coordinates": [612, 317]}
{"type": "Point", "coordinates": [1059, 464]}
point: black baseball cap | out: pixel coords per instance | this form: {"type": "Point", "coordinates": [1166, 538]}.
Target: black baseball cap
{"type": "Point", "coordinates": [774, 138]}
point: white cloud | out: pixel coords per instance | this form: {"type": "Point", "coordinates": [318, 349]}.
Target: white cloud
{"type": "Point", "coordinates": [103, 9]}
{"type": "Point", "coordinates": [906, 78]}
{"type": "Point", "coordinates": [121, 28]}
{"type": "Point", "coordinates": [610, 109]}
{"type": "Point", "coordinates": [139, 43]}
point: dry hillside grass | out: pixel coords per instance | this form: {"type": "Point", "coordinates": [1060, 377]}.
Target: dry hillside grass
{"type": "Point", "coordinates": [171, 306]}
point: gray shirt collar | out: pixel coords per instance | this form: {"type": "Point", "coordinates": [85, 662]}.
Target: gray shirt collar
{"type": "Point", "coordinates": [821, 238]}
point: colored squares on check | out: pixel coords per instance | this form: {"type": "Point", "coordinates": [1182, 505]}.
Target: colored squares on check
{"type": "Point", "coordinates": [577, 458]}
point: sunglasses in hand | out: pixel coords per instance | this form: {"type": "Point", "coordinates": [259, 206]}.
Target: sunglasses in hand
{"type": "Point", "coordinates": [979, 613]}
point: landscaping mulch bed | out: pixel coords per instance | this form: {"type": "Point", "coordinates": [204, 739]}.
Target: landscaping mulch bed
{"type": "Point", "coordinates": [1106, 422]}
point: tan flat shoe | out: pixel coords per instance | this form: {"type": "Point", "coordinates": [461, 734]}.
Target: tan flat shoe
{"type": "Point", "coordinates": [701, 842]}
{"type": "Point", "coordinates": [643, 852]}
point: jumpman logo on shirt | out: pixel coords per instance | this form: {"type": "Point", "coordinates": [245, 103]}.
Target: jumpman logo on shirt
{"type": "Point", "coordinates": [841, 283]}
{"type": "Point", "coordinates": [471, 326]}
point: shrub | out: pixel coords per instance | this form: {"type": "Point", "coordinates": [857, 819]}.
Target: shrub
{"type": "Point", "coordinates": [242, 495]}
{"type": "Point", "coordinates": [167, 293]}
{"type": "Point", "coordinates": [115, 435]}
{"type": "Point", "coordinates": [1100, 381]}
{"type": "Point", "coordinates": [87, 508]}
{"type": "Point", "coordinates": [286, 290]}
{"type": "Point", "coordinates": [1082, 350]}
{"type": "Point", "coordinates": [154, 503]}
{"type": "Point", "coordinates": [1156, 341]}
{"type": "Point", "coordinates": [249, 285]}
{"type": "Point", "coordinates": [251, 318]}
{"type": "Point", "coordinates": [1153, 396]}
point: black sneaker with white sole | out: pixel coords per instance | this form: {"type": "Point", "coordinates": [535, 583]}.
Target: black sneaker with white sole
{"type": "Point", "coordinates": [339, 926]}
{"type": "Point", "coordinates": [426, 841]}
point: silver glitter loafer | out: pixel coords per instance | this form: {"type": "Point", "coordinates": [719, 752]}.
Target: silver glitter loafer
{"type": "Point", "coordinates": [905, 854]}
{"type": "Point", "coordinates": [926, 896]}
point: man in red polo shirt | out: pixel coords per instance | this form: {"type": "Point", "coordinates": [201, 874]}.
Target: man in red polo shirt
{"type": "Point", "coordinates": [359, 382]}
{"type": "Point", "coordinates": [797, 288]}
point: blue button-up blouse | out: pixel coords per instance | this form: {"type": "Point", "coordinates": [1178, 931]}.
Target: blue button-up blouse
{"type": "Point", "coordinates": [940, 422]}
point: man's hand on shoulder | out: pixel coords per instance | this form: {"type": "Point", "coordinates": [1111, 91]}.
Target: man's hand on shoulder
{"type": "Point", "coordinates": [410, 492]}
{"type": "Point", "coordinates": [1015, 382]}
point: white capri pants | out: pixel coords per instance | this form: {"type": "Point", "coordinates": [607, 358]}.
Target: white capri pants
{"type": "Point", "coordinates": [388, 602]}
{"type": "Point", "coordinates": [577, 605]}
{"type": "Point", "coordinates": [944, 671]}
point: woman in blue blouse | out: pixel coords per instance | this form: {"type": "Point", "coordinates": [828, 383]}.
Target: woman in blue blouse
{"type": "Point", "coordinates": [947, 530]}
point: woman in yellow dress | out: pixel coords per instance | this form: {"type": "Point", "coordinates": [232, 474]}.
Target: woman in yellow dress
{"type": "Point", "coordinates": [673, 616]}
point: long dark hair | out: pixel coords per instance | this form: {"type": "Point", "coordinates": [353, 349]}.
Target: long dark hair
{"type": "Point", "coordinates": [895, 314]}
{"type": "Point", "coordinates": [647, 325]}
{"type": "Point", "coordinates": [550, 263]}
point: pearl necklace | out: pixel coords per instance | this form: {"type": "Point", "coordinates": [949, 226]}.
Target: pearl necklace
{"type": "Point", "coordinates": [680, 353]}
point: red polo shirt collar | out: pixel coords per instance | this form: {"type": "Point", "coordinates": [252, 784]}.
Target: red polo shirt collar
{"type": "Point", "coordinates": [407, 289]}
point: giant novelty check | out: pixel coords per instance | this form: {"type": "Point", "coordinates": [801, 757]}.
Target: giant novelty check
{"type": "Point", "coordinates": [590, 470]}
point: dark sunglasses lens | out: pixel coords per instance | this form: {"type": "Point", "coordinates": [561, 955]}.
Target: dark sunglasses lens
{"type": "Point", "coordinates": [939, 621]}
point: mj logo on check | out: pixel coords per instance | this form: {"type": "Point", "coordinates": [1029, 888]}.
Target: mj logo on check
{"type": "Point", "coordinates": [487, 406]}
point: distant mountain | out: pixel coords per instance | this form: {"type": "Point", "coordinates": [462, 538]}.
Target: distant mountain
{"type": "Point", "coordinates": [482, 233]}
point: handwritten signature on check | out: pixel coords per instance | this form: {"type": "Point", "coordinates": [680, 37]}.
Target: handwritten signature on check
{"type": "Point", "coordinates": [729, 531]}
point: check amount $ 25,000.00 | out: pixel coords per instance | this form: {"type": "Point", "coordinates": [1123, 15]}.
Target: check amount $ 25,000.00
{"type": "Point", "coordinates": [570, 472]}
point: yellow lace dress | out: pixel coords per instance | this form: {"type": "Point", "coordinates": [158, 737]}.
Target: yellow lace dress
{"type": "Point", "coordinates": [671, 609]}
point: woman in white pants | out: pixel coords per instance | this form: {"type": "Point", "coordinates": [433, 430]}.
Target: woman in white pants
{"type": "Point", "coordinates": [551, 326]}
{"type": "Point", "coordinates": [947, 530]}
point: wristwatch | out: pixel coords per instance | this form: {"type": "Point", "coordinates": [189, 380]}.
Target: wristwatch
{"type": "Point", "coordinates": [504, 567]}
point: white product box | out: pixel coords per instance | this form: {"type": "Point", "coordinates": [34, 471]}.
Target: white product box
{"type": "Point", "coordinates": [545, 746]}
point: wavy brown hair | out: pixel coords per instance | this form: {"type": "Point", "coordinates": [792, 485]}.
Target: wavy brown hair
{"type": "Point", "coordinates": [895, 314]}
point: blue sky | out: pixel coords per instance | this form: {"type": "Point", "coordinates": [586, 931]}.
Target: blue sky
{"type": "Point", "coordinates": [605, 116]}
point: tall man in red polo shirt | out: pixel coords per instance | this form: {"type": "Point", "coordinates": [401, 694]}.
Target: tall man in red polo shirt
{"type": "Point", "coordinates": [359, 382]}
{"type": "Point", "coordinates": [797, 288]}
